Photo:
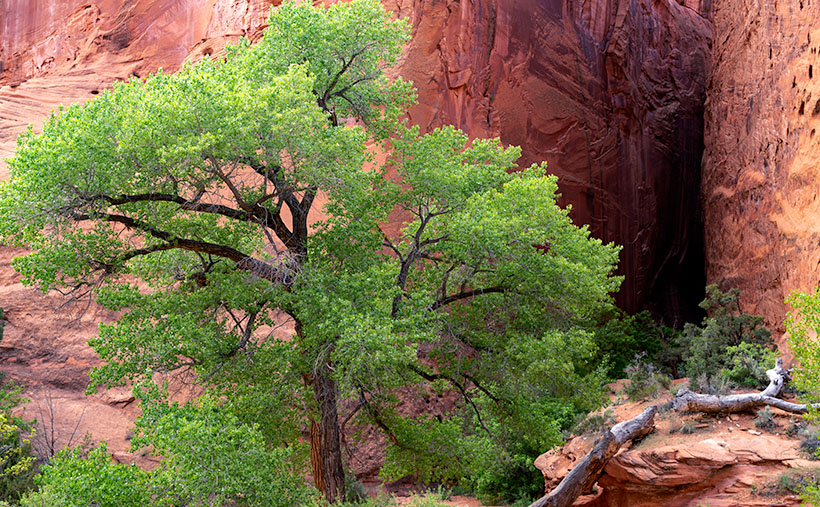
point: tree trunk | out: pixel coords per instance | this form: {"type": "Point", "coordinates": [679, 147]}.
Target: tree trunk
{"type": "Point", "coordinates": [710, 403]}
{"type": "Point", "coordinates": [584, 475]}
{"type": "Point", "coordinates": [325, 439]}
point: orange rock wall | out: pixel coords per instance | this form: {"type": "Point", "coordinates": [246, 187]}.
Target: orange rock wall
{"type": "Point", "coordinates": [609, 92]}
{"type": "Point", "coordinates": [761, 168]}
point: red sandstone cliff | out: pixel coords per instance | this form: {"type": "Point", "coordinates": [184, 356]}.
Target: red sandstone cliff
{"type": "Point", "coordinates": [610, 92]}
{"type": "Point", "coordinates": [761, 168]}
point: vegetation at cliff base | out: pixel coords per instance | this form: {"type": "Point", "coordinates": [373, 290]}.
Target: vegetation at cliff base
{"type": "Point", "coordinates": [234, 214]}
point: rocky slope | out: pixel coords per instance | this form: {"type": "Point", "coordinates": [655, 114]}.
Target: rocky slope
{"type": "Point", "coordinates": [718, 461]}
{"type": "Point", "coordinates": [760, 168]}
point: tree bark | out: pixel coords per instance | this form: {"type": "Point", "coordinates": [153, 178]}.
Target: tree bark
{"type": "Point", "coordinates": [325, 439]}
{"type": "Point", "coordinates": [587, 472]}
{"type": "Point", "coordinates": [687, 400]}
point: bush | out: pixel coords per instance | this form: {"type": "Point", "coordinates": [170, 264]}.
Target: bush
{"type": "Point", "coordinates": [747, 364]}
{"type": "Point", "coordinates": [17, 460]}
{"type": "Point", "coordinates": [17, 463]}
{"type": "Point", "coordinates": [765, 420]}
{"type": "Point", "coordinates": [594, 423]}
{"type": "Point", "coordinates": [729, 343]}
{"type": "Point", "coordinates": [809, 441]}
{"type": "Point", "coordinates": [644, 379]}
{"type": "Point", "coordinates": [688, 428]}
{"type": "Point", "coordinates": [621, 337]}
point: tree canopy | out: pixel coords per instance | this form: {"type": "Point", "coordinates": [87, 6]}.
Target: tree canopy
{"type": "Point", "coordinates": [235, 213]}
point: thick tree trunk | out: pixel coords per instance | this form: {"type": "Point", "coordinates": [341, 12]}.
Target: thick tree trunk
{"type": "Point", "coordinates": [710, 403]}
{"type": "Point", "coordinates": [584, 475]}
{"type": "Point", "coordinates": [325, 439]}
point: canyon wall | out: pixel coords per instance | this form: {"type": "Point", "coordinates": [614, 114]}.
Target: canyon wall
{"type": "Point", "coordinates": [609, 92]}
{"type": "Point", "coordinates": [761, 170]}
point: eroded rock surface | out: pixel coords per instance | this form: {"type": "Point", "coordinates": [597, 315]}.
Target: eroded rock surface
{"type": "Point", "coordinates": [760, 172]}
{"type": "Point", "coordinates": [722, 461]}
{"type": "Point", "coordinates": [609, 92]}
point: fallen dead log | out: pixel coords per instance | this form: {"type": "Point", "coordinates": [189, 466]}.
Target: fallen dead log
{"type": "Point", "coordinates": [687, 400]}
{"type": "Point", "coordinates": [587, 472]}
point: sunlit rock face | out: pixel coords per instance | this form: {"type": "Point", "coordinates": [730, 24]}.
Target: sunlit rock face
{"type": "Point", "coordinates": [761, 171]}
{"type": "Point", "coordinates": [116, 37]}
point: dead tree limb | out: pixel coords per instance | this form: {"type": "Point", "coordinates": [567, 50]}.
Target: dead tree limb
{"type": "Point", "coordinates": [587, 472]}
{"type": "Point", "coordinates": [687, 400]}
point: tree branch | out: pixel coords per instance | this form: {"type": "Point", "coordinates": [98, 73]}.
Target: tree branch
{"type": "Point", "coordinates": [276, 274]}
{"type": "Point", "coordinates": [466, 294]}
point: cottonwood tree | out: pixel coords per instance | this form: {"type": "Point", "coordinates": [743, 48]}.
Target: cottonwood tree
{"type": "Point", "coordinates": [235, 213]}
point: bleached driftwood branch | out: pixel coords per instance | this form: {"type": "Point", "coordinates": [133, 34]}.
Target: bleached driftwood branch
{"type": "Point", "coordinates": [587, 472]}
{"type": "Point", "coordinates": [687, 400]}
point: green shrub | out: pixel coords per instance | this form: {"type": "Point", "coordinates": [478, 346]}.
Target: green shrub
{"type": "Point", "coordinates": [594, 423]}
{"type": "Point", "coordinates": [644, 379]}
{"type": "Point", "coordinates": [765, 420]}
{"type": "Point", "coordinates": [809, 441]}
{"type": "Point", "coordinates": [72, 478]}
{"type": "Point", "coordinates": [800, 481]}
{"type": "Point", "coordinates": [17, 460]}
{"type": "Point", "coordinates": [747, 364]}
{"type": "Point", "coordinates": [620, 337]}
{"type": "Point", "coordinates": [728, 341]}
{"type": "Point", "coordinates": [688, 428]}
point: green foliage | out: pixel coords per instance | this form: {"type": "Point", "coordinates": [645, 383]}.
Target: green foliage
{"type": "Point", "coordinates": [765, 420]}
{"type": "Point", "coordinates": [802, 326]}
{"type": "Point", "coordinates": [76, 478]}
{"type": "Point", "coordinates": [184, 202]}
{"type": "Point", "coordinates": [747, 364]}
{"type": "Point", "coordinates": [210, 458]}
{"type": "Point", "coordinates": [798, 481]}
{"type": "Point", "coordinates": [621, 337]}
{"type": "Point", "coordinates": [727, 346]}
{"type": "Point", "coordinates": [644, 379]}
{"type": "Point", "coordinates": [17, 461]}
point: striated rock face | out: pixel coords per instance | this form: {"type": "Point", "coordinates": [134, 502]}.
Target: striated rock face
{"type": "Point", "coordinates": [59, 52]}
{"type": "Point", "coordinates": [761, 168]}
{"type": "Point", "coordinates": [117, 38]}
{"type": "Point", "coordinates": [714, 471]}
{"type": "Point", "coordinates": [609, 92]}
